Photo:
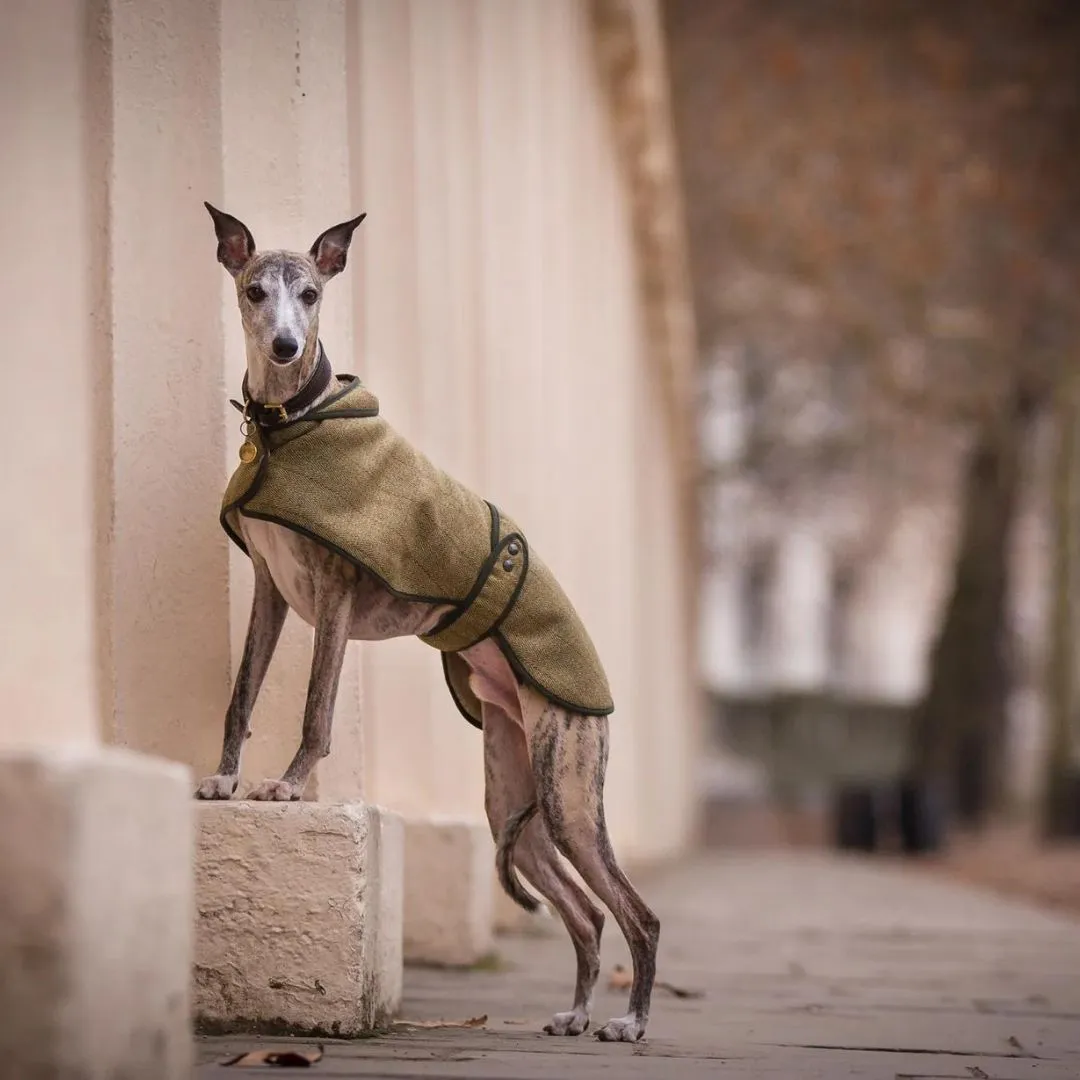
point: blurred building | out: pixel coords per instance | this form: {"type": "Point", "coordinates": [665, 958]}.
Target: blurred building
{"type": "Point", "coordinates": [516, 297]}
{"type": "Point", "coordinates": [827, 604]}
{"type": "Point", "coordinates": [863, 185]}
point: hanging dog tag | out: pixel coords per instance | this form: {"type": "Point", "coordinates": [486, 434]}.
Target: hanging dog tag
{"type": "Point", "coordinates": [248, 450]}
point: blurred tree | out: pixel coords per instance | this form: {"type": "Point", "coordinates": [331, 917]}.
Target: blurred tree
{"type": "Point", "coordinates": [882, 202]}
{"type": "Point", "coordinates": [1059, 812]}
{"type": "Point", "coordinates": [960, 725]}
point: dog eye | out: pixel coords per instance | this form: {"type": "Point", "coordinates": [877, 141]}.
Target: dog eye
{"type": "Point", "coordinates": [256, 293]}
{"type": "Point", "coordinates": [309, 295]}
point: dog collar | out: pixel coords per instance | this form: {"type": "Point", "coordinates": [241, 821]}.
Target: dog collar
{"type": "Point", "coordinates": [273, 415]}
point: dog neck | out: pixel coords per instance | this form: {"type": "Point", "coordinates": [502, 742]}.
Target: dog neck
{"type": "Point", "coordinates": [271, 383]}
{"type": "Point", "coordinates": [316, 383]}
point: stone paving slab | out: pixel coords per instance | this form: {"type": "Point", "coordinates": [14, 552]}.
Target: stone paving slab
{"type": "Point", "coordinates": [811, 966]}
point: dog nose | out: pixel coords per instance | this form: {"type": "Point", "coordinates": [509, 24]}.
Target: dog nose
{"type": "Point", "coordinates": [284, 347]}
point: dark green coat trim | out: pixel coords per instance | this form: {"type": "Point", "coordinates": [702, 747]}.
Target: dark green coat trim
{"type": "Point", "coordinates": [478, 724]}
{"type": "Point", "coordinates": [267, 441]}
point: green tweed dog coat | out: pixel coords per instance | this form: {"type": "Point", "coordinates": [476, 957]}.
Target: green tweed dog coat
{"type": "Point", "coordinates": [343, 477]}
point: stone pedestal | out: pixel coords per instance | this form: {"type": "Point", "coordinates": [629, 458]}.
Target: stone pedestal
{"type": "Point", "coordinates": [95, 915]}
{"type": "Point", "coordinates": [298, 918]}
{"type": "Point", "coordinates": [449, 879]}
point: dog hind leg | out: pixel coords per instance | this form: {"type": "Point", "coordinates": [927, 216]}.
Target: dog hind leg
{"type": "Point", "coordinates": [569, 759]}
{"type": "Point", "coordinates": [509, 790]}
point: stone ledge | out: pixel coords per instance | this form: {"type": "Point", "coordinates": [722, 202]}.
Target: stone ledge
{"type": "Point", "coordinates": [298, 918]}
{"type": "Point", "coordinates": [449, 876]}
{"type": "Point", "coordinates": [95, 915]}
{"type": "Point", "coordinates": [389, 947]}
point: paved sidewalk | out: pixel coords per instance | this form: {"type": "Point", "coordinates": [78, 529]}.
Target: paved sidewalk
{"type": "Point", "coordinates": [812, 967]}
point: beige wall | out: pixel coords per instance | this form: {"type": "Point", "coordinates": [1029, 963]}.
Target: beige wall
{"type": "Point", "coordinates": [491, 302]}
{"type": "Point", "coordinates": [48, 681]}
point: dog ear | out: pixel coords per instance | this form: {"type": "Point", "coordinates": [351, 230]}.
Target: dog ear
{"type": "Point", "coordinates": [236, 245]}
{"type": "Point", "coordinates": [331, 249]}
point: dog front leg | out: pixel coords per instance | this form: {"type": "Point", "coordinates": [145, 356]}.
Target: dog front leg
{"type": "Point", "coordinates": [268, 611]}
{"type": "Point", "coordinates": [331, 638]}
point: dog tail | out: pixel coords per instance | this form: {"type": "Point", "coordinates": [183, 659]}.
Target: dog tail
{"type": "Point", "coordinates": [504, 857]}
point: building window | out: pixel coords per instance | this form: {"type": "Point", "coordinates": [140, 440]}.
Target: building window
{"type": "Point", "coordinates": [755, 400]}
{"type": "Point", "coordinates": [840, 637]}
{"type": "Point", "coordinates": [756, 604]}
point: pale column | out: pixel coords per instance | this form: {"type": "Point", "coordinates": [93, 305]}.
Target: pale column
{"type": "Point", "coordinates": [900, 653]}
{"type": "Point", "coordinates": [398, 674]}
{"type": "Point", "coordinates": [519, 277]}
{"type": "Point", "coordinates": [166, 585]}
{"type": "Point", "coordinates": [285, 102]}
{"type": "Point", "coordinates": [510, 272]}
{"type": "Point", "coordinates": [95, 894]}
{"type": "Point", "coordinates": [448, 227]}
{"type": "Point", "coordinates": [545, 409]}
{"type": "Point", "coordinates": [799, 610]}
{"type": "Point", "coordinates": [896, 605]}
{"type": "Point", "coordinates": [558, 50]}
{"type": "Point", "coordinates": [608, 547]}
{"type": "Point", "coordinates": [502, 332]}
{"type": "Point", "coordinates": [722, 664]}
{"type": "Point", "coordinates": [560, 333]}
{"type": "Point", "coordinates": [667, 723]}
{"type": "Point", "coordinates": [47, 663]}
{"type": "Point", "coordinates": [420, 347]}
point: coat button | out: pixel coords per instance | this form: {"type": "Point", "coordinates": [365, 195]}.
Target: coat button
{"type": "Point", "coordinates": [508, 564]}
{"type": "Point", "coordinates": [512, 547]}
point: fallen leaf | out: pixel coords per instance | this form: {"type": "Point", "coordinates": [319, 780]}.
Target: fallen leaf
{"type": "Point", "coordinates": [978, 1073]}
{"type": "Point", "coordinates": [679, 991]}
{"type": "Point", "coordinates": [285, 1059]}
{"type": "Point", "coordinates": [621, 979]}
{"type": "Point", "coordinates": [474, 1022]}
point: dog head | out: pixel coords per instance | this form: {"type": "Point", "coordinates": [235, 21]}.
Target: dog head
{"type": "Point", "coordinates": [280, 293]}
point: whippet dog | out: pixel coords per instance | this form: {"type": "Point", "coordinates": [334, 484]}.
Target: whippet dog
{"type": "Point", "coordinates": [544, 765]}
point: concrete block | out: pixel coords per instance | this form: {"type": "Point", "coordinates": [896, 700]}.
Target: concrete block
{"type": "Point", "coordinates": [449, 873]}
{"type": "Point", "coordinates": [296, 929]}
{"type": "Point", "coordinates": [95, 915]}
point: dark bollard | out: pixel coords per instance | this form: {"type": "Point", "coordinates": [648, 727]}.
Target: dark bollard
{"type": "Point", "coordinates": [921, 815]}
{"type": "Point", "coordinates": [856, 824]}
{"type": "Point", "coordinates": [1064, 812]}
{"type": "Point", "coordinates": [1072, 804]}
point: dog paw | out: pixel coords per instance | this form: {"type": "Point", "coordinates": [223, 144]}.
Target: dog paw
{"type": "Point", "coordinates": [216, 787]}
{"type": "Point", "coordinates": [568, 1023]}
{"type": "Point", "coordinates": [275, 791]}
{"type": "Point", "coordinates": [622, 1029]}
